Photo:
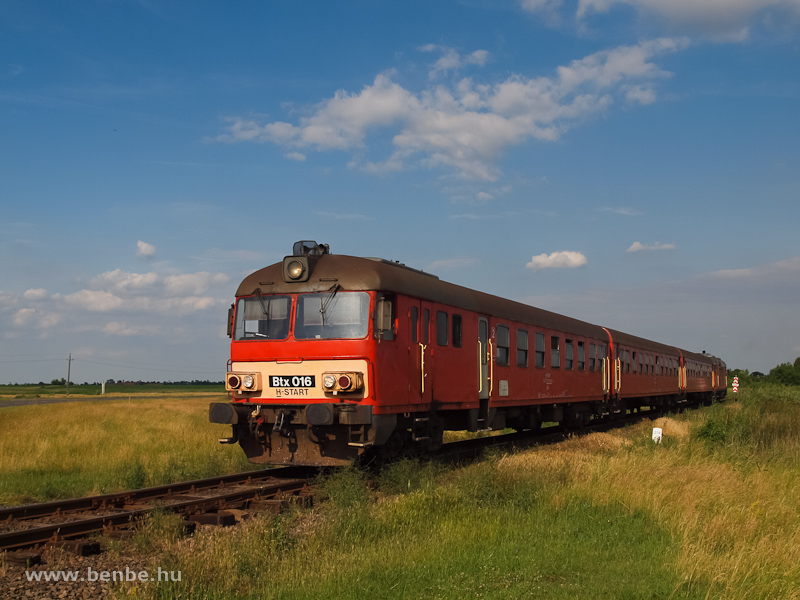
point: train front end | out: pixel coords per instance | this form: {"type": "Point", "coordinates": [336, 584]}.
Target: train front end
{"type": "Point", "coordinates": [301, 374]}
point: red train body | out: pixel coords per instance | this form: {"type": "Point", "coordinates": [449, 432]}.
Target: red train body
{"type": "Point", "coordinates": [334, 356]}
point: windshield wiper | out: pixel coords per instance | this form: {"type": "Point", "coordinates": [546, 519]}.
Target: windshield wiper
{"type": "Point", "coordinates": [326, 303]}
{"type": "Point", "coordinates": [264, 307]}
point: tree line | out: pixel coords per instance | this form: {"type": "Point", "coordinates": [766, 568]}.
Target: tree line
{"type": "Point", "coordinates": [784, 374]}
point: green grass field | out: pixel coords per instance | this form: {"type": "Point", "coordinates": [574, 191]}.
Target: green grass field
{"type": "Point", "coordinates": [8, 392]}
{"type": "Point", "coordinates": [712, 512]}
{"type": "Point", "coordinates": [73, 449]}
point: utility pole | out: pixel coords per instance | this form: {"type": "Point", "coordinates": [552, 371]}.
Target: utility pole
{"type": "Point", "coordinates": [69, 367]}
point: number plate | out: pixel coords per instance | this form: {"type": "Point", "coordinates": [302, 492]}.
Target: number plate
{"type": "Point", "coordinates": [291, 381]}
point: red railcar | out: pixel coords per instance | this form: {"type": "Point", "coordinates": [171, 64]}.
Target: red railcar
{"type": "Point", "coordinates": [333, 356]}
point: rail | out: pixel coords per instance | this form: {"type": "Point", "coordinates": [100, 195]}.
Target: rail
{"type": "Point", "coordinates": [77, 517]}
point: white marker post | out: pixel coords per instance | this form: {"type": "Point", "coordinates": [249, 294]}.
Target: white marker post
{"type": "Point", "coordinates": [657, 434]}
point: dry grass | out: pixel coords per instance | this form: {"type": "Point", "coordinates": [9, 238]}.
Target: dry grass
{"type": "Point", "coordinates": [72, 449]}
{"type": "Point", "coordinates": [712, 512]}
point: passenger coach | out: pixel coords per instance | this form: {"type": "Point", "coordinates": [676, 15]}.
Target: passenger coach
{"type": "Point", "coordinates": [333, 356]}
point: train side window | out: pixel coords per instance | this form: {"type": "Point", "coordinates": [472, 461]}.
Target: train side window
{"type": "Point", "coordinates": [522, 347]}
{"type": "Point", "coordinates": [627, 361]}
{"type": "Point", "coordinates": [384, 317]}
{"type": "Point", "coordinates": [581, 356]}
{"type": "Point", "coordinates": [555, 352]}
{"type": "Point", "coordinates": [633, 363]}
{"type": "Point", "coordinates": [503, 345]}
{"type": "Point", "coordinates": [568, 354]}
{"type": "Point", "coordinates": [539, 350]}
{"type": "Point", "coordinates": [592, 357]}
{"type": "Point", "coordinates": [457, 331]}
{"type": "Point", "coordinates": [658, 365]}
{"type": "Point", "coordinates": [414, 320]}
{"type": "Point", "coordinates": [426, 326]}
{"type": "Point", "coordinates": [441, 328]}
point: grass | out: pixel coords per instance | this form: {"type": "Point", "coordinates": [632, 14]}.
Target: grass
{"type": "Point", "coordinates": [712, 512]}
{"type": "Point", "coordinates": [8, 392]}
{"type": "Point", "coordinates": [73, 449]}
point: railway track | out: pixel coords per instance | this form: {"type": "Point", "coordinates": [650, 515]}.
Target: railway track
{"type": "Point", "coordinates": [470, 449]}
{"type": "Point", "coordinates": [205, 500]}
{"type": "Point", "coordinates": [202, 500]}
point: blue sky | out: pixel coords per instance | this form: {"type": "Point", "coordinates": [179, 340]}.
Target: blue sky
{"type": "Point", "coordinates": [633, 163]}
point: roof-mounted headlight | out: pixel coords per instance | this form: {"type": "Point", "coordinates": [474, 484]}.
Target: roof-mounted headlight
{"type": "Point", "coordinates": [295, 269]}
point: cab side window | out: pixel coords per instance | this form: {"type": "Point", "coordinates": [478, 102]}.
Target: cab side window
{"type": "Point", "coordinates": [503, 345]}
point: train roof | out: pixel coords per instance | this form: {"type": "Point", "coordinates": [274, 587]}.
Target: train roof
{"type": "Point", "coordinates": [368, 274]}
{"type": "Point", "coordinates": [376, 274]}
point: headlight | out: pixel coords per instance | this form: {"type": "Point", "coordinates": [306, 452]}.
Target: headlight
{"type": "Point", "coordinates": [295, 269]}
{"type": "Point", "coordinates": [243, 382]}
{"type": "Point", "coordinates": [342, 382]}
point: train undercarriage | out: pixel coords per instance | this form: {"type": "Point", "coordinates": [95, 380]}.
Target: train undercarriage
{"type": "Point", "coordinates": [330, 434]}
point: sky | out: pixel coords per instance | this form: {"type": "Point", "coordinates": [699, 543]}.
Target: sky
{"type": "Point", "coordinates": [631, 163]}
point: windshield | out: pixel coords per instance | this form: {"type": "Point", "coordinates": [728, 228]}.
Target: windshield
{"type": "Point", "coordinates": [262, 318]}
{"type": "Point", "coordinates": [334, 314]}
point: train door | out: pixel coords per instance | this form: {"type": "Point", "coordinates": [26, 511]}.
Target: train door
{"type": "Point", "coordinates": [420, 356]}
{"type": "Point", "coordinates": [484, 372]}
{"type": "Point", "coordinates": [610, 367]}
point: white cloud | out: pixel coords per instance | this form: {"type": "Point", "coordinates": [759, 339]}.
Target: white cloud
{"type": "Point", "coordinates": [547, 9]}
{"type": "Point", "coordinates": [557, 260]}
{"type": "Point", "coordinates": [24, 316]}
{"type": "Point", "coordinates": [298, 156]}
{"type": "Point", "coordinates": [639, 247]}
{"type": "Point", "coordinates": [123, 281]}
{"type": "Point", "coordinates": [8, 300]}
{"type": "Point", "coordinates": [93, 300]}
{"type": "Point", "coordinates": [451, 60]}
{"type": "Point", "coordinates": [41, 319]}
{"type": "Point", "coordinates": [466, 127]}
{"type": "Point", "coordinates": [145, 249]}
{"type": "Point", "coordinates": [35, 294]}
{"type": "Point", "coordinates": [641, 94]}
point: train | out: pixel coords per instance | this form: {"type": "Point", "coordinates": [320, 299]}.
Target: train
{"type": "Point", "coordinates": [337, 358]}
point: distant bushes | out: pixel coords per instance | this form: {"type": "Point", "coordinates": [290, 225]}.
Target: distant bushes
{"type": "Point", "coordinates": [783, 374]}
